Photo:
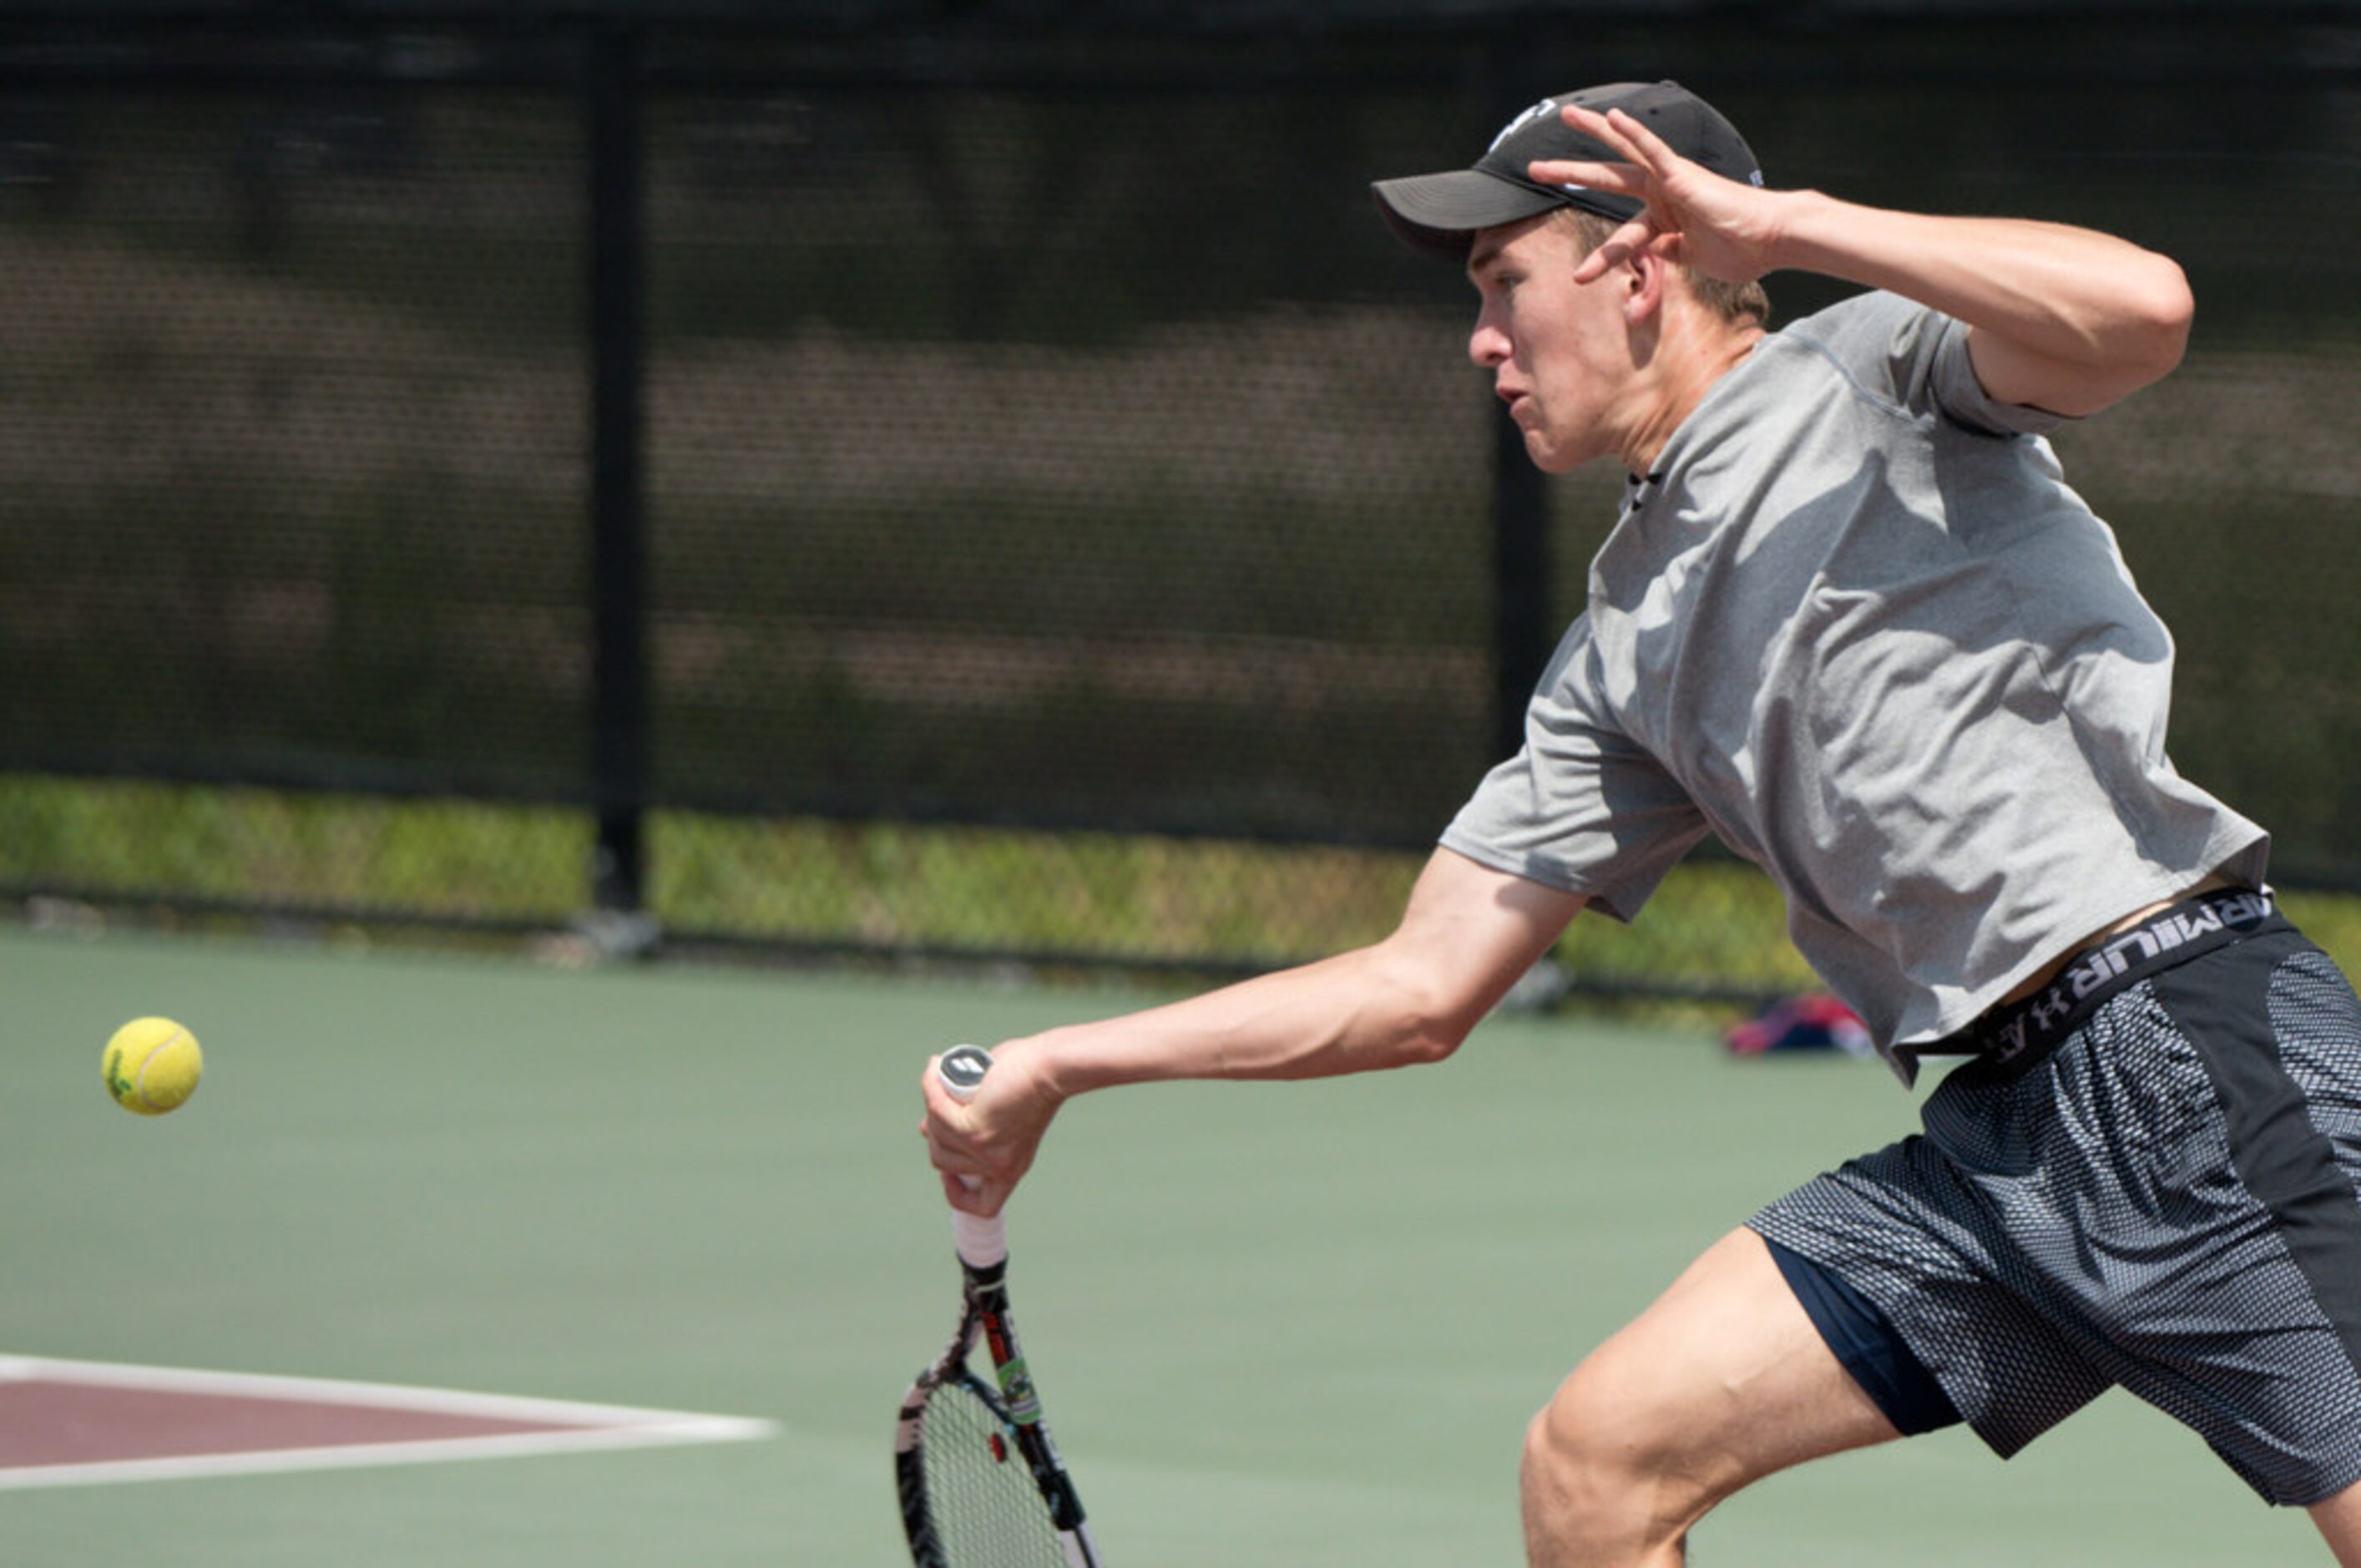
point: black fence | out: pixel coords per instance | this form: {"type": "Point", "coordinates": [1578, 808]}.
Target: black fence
{"type": "Point", "coordinates": [980, 427]}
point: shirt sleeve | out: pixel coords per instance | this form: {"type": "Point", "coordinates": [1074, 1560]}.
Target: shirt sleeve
{"type": "Point", "coordinates": [1902, 353]}
{"type": "Point", "coordinates": [1581, 806]}
{"type": "Point", "coordinates": [1960, 396]}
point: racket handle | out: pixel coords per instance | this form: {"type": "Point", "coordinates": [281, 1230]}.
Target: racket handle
{"type": "Point", "coordinates": [982, 1243]}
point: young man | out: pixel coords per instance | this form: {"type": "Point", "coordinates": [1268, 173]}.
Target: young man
{"type": "Point", "coordinates": [1852, 621]}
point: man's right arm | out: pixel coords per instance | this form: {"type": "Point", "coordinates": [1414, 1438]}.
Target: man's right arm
{"type": "Point", "coordinates": [1467, 935]}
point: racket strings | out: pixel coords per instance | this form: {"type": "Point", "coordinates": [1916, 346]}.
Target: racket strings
{"type": "Point", "coordinates": [981, 1494]}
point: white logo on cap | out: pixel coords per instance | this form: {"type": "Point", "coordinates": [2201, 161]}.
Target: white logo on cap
{"type": "Point", "coordinates": [1546, 106]}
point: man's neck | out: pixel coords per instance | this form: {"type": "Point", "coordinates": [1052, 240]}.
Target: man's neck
{"type": "Point", "coordinates": [1682, 373]}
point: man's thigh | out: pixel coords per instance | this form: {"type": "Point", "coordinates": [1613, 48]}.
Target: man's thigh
{"type": "Point", "coordinates": [1724, 1380]}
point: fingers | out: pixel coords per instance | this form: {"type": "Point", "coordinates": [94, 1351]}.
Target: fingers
{"type": "Point", "coordinates": [1623, 179]}
{"type": "Point", "coordinates": [1636, 235]}
{"type": "Point", "coordinates": [1627, 136]}
{"type": "Point", "coordinates": [965, 1183]}
{"type": "Point", "coordinates": [945, 1126]}
{"type": "Point", "coordinates": [983, 1197]}
{"type": "Point", "coordinates": [1645, 159]}
{"type": "Point", "coordinates": [972, 1178]}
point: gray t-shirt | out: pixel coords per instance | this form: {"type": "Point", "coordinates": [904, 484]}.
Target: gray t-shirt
{"type": "Point", "coordinates": [1857, 624]}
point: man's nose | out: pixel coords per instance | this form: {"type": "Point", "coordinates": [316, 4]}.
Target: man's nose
{"type": "Point", "coordinates": [1487, 345]}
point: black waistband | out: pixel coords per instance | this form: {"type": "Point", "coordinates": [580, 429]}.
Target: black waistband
{"type": "Point", "coordinates": [2015, 1035]}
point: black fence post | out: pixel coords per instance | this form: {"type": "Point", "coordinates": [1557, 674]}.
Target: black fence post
{"type": "Point", "coordinates": [619, 707]}
{"type": "Point", "coordinates": [1523, 632]}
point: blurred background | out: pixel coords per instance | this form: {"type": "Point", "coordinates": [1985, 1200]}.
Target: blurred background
{"type": "Point", "coordinates": [976, 481]}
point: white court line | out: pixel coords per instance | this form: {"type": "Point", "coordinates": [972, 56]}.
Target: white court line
{"type": "Point", "coordinates": [593, 1428]}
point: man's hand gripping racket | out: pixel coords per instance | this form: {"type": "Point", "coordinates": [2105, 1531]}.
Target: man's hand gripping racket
{"type": "Point", "coordinates": [980, 1479]}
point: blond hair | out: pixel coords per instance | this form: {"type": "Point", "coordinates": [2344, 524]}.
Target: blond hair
{"type": "Point", "coordinates": [1733, 302]}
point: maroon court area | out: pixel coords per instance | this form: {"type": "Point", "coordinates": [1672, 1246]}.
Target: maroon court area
{"type": "Point", "coordinates": [54, 1420]}
{"type": "Point", "coordinates": [67, 1424]}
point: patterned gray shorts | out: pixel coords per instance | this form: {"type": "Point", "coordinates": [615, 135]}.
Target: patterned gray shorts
{"type": "Point", "coordinates": [2171, 1199]}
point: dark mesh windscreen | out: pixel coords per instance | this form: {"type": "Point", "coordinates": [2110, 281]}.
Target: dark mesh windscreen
{"type": "Point", "coordinates": [292, 439]}
{"type": "Point", "coordinates": [1044, 436]}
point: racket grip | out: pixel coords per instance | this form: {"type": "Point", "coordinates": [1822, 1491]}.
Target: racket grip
{"type": "Point", "coordinates": [982, 1243]}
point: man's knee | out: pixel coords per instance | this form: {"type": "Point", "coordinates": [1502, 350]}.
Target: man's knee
{"type": "Point", "coordinates": [1606, 1468]}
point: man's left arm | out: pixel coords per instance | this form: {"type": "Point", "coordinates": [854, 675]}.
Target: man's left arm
{"type": "Point", "coordinates": [2064, 319]}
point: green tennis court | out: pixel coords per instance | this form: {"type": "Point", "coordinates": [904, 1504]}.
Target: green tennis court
{"type": "Point", "coordinates": [1298, 1325]}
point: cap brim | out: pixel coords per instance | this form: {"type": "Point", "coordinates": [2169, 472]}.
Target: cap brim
{"type": "Point", "coordinates": [1439, 214]}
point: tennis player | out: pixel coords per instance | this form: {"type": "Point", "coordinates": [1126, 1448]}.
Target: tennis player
{"type": "Point", "coordinates": [1852, 621]}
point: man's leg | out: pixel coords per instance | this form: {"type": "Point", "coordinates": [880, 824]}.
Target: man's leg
{"type": "Point", "coordinates": [1722, 1381]}
{"type": "Point", "coordinates": [2339, 1519]}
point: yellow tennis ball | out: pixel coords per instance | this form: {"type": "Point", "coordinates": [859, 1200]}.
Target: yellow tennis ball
{"type": "Point", "coordinates": [152, 1064]}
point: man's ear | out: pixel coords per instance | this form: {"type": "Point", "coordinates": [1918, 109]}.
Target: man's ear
{"type": "Point", "coordinates": [1648, 273]}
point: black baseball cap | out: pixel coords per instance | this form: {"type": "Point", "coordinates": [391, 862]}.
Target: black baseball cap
{"type": "Point", "coordinates": [1439, 214]}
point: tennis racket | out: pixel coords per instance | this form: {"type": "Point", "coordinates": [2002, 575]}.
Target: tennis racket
{"type": "Point", "coordinates": [980, 1481]}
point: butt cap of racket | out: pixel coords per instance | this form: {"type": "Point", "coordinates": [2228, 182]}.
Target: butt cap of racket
{"type": "Point", "coordinates": [962, 1070]}
{"type": "Point", "coordinates": [982, 1242]}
